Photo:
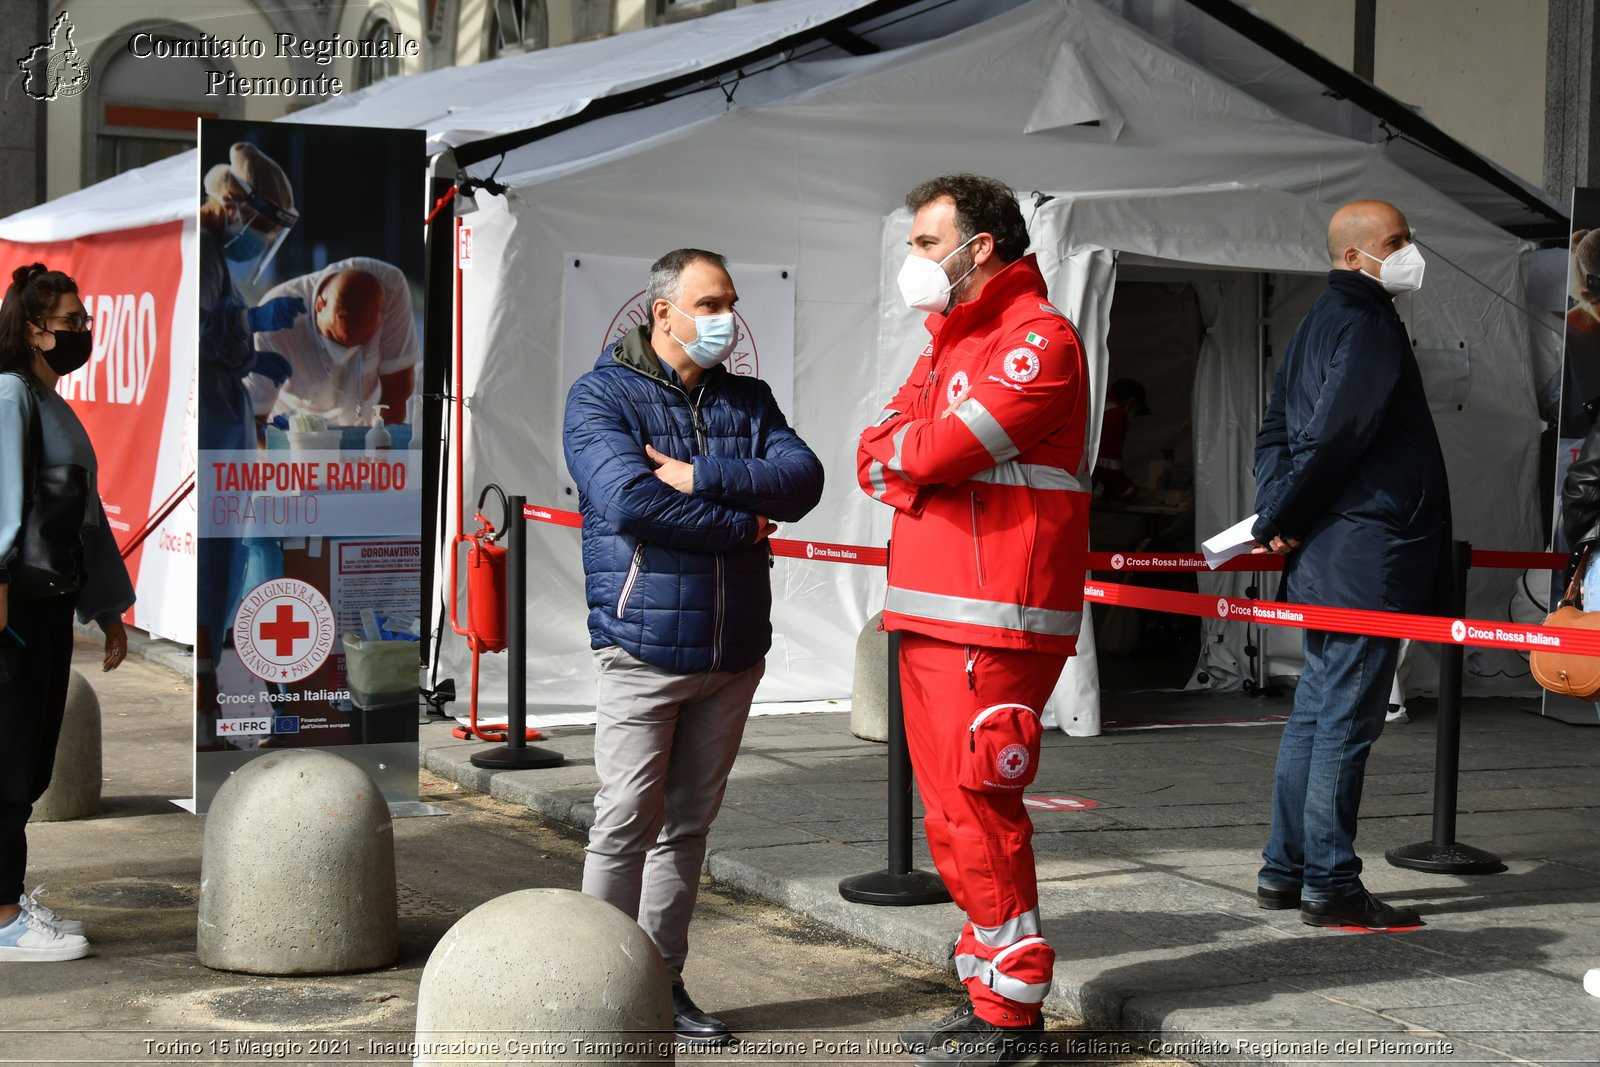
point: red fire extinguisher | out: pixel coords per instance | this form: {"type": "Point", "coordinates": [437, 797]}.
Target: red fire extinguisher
{"type": "Point", "coordinates": [486, 602]}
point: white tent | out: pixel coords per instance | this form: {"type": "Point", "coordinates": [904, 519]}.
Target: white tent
{"type": "Point", "coordinates": [1143, 154]}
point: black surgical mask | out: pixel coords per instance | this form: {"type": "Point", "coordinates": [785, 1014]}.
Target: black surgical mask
{"type": "Point", "coordinates": [71, 351]}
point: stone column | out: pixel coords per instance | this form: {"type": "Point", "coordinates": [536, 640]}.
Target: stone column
{"type": "Point", "coordinates": [23, 24]}
{"type": "Point", "coordinates": [1571, 111]}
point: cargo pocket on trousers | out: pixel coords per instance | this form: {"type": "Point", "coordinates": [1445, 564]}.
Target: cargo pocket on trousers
{"type": "Point", "coordinates": [1002, 749]}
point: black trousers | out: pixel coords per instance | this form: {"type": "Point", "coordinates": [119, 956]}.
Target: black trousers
{"type": "Point", "coordinates": [31, 707]}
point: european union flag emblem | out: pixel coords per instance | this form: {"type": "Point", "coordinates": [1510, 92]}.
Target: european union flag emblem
{"type": "Point", "coordinates": [286, 724]}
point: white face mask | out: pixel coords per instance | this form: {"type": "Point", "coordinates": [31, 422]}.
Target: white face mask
{"type": "Point", "coordinates": [1400, 271]}
{"type": "Point", "coordinates": [924, 285]}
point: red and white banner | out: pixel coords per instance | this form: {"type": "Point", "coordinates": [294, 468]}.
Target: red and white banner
{"type": "Point", "coordinates": [133, 397]}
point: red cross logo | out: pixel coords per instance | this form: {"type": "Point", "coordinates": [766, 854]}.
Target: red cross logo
{"type": "Point", "coordinates": [1014, 764]}
{"type": "Point", "coordinates": [284, 630]}
{"type": "Point", "coordinates": [1020, 365]}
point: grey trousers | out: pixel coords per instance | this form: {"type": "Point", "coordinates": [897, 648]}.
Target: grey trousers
{"type": "Point", "coordinates": [663, 746]}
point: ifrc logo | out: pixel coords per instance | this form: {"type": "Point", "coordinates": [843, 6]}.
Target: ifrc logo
{"type": "Point", "coordinates": [1021, 364]}
{"type": "Point", "coordinates": [957, 387]}
{"type": "Point", "coordinates": [1012, 761]}
{"type": "Point", "coordinates": [1222, 606]}
{"type": "Point", "coordinates": [283, 630]}
{"type": "Point", "coordinates": [1458, 630]}
{"type": "Point", "coordinates": [1116, 562]}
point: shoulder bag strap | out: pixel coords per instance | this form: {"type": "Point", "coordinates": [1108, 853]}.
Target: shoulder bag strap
{"type": "Point", "coordinates": [1575, 587]}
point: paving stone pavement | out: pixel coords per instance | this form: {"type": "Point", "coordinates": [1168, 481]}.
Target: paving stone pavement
{"type": "Point", "coordinates": [1149, 897]}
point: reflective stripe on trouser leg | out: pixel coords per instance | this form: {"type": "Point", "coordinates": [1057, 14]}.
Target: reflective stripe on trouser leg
{"type": "Point", "coordinates": [1018, 975]}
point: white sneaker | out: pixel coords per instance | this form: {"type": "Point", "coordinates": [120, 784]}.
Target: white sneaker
{"type": "Point", "coordinates": [29, 938]}
{"type": "Point", "coordinates": [1591, 982]}
{"type": "Point", "coordinates": [1397, 713]}
{"type": "Point", "coordinates": [30, 902]}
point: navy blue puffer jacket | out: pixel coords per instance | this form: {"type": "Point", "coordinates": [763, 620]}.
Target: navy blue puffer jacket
{"type": "Point", "coordinates": [680, 581]}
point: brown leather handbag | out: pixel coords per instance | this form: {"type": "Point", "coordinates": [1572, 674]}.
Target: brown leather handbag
{"type": "Point", "coordinates": [1565, 672]}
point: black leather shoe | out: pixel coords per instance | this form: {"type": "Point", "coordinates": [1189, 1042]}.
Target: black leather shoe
{"type": "Point", "coordinates": [1358, 911]}
{"type": "Point", "coordinates": [695, 1026]}
{"type": "Point", "coordinates": [1277, 899]}
{"type": "Point", "coordinates": [919, 1035]}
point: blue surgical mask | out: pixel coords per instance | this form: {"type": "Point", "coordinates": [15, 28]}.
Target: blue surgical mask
{"type": "Point", "coordinates": [245, 245]}
{"type": "Point", "coordinates": [714, 337]}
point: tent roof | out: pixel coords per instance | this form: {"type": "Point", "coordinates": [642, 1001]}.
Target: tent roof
{"type": "Point", "coordinates": [689, 71]}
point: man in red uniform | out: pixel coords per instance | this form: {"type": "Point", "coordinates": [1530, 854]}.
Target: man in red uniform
{"type": "Point", "coordinates": [981, 454]}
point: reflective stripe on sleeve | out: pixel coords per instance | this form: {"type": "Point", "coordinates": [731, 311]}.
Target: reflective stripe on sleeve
{"type": "Point", "coordinates": [899, 439]}
{"type": "Point", "coordinates": [875, 476]}
{"type": "Point", "coordinates": [996, 613]}
{"type": "Point", "coordinates": [1032, 476]}
{"type": "Point", "coordinates": [987, 429]}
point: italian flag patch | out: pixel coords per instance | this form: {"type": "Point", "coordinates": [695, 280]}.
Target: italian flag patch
{"type": "Point", "coordinates": [1036, 341]}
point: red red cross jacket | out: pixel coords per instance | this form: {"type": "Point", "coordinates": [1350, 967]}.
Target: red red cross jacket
{"type": "Point", "coordinates": [992, 500]}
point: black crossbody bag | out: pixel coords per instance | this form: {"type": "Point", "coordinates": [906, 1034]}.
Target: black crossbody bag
{"type": "Point", "coordinates": [55, 503]}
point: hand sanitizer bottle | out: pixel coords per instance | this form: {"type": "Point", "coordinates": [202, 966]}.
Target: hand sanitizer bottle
{"type": "Point", "coordinates": [378, 436]}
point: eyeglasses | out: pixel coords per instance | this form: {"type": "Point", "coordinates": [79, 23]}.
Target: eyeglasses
{"type": "Point", "coordinates": [76, 320]}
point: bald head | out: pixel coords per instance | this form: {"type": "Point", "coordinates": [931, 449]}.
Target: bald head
{"type": "Point", "coordinates": [1374, 227]}
{"type": "Point", "coordinates": [350, 307]}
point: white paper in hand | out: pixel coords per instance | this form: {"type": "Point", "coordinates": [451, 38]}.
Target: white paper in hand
{"type": "Point", "coordinates": [1236, 540]}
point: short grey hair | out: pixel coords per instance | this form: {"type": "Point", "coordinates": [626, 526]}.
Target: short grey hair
{"type": "Point", "coordinates": [666, 273]}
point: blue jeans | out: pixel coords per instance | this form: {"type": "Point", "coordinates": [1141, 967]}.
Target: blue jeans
{"type": "Point", "coordinates": [1339, 707]}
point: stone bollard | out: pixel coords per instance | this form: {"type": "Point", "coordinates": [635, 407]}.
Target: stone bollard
{"type": "Point", "coordinates": [75, 782]}
{"type": "Point", "coordinates": [545, 976]}
{"type": "Point", "coordinates": [869, 697]}
{"type": "Point", "coordinates": [297, 869]}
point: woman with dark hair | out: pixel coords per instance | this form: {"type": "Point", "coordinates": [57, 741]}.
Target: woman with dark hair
{"type": "Point", "coordinates": [44, 335]}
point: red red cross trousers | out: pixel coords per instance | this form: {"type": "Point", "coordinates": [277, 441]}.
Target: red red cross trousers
{"type": "Point", "coordinates": [284, 630]}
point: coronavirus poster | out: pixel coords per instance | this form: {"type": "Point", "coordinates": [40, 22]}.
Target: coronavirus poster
{"type": "Point", "coordinates": [309, 496]}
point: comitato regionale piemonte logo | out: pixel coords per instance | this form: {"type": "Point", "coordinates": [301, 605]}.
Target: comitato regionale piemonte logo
{"type": "Point", "coordinates": [54, 69]}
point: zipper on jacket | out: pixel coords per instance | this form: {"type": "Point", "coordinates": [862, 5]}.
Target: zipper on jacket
{"type": "Point", "coordinates": [716, 632]}
{"type": "Point", "coordinates": [633, 577]}
{"type": "Point", "coordinates": [977, 534]}
{"type": "Point", "coordinates": [972, 663]}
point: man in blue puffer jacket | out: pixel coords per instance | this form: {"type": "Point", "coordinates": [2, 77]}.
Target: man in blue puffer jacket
{"type": "Point", "coordinates": [681, 468]}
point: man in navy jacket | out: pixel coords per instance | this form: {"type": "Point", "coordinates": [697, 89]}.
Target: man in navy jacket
{"type": "Point", "coordinates": [1350, 485]}
{"type": "Point", "coordinates": [682, 468]}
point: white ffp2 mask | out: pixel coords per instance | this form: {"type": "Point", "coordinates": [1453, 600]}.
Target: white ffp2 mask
{"type": "Point", "coordinates": [1400, 271]}
{"type": "Point", "coordinates": [924, 285]}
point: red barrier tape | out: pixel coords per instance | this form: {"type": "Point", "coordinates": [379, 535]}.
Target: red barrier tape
{"type": "Point", "coordinates": [1488, 633]}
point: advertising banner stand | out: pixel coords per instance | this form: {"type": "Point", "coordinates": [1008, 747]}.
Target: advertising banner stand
{"type": "Point", "coordinates": [310, 541]}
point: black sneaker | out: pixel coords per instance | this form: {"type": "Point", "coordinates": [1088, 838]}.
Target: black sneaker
{"type": "Point", "coordinates": [919, 1035]}
{"type": "Point", "coordinates": [1358, 911]}
{"type": "Point", "coordinates": [693, 1026]}
{"type": "Point", "coordinates": [1277, 899]}
{"type": "Point", "coordinates": [976, 1043]}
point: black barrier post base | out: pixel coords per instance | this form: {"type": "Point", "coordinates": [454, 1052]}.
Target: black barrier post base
{"type": "Point", "coordinates": [1453, 858]}
{"type": "Point", "coordinates": [515, 758]}
{"type": "Point", "coordinates": [899, 885]}
{"type": "Point", "coordinates": [1443, 854]}
{"type": "Point", "coordinates": [894, 890]}
{"type": "Point", "coordinates": [516, 755]}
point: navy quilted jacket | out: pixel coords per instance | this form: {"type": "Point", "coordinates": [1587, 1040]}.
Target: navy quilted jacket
{"type": "Point", "coordinates": [680, 581]}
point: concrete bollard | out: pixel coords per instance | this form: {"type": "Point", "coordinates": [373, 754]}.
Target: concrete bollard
{"type": "Point", "coordinates": [545, 976]}
{"type": "Point", "coordinates": [297, 869]}
{"type": "Point", "coordinates": [869, 696]}
{"type": "Point", "coordinates": [74, 790]}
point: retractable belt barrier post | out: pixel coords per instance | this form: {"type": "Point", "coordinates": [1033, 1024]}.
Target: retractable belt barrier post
{"type": "Point", "coordinates": [517, 754]}
{"type": "Point", "coordinates": [1443, 854]}
{"type": "Point", "coordinates": [899, 884]}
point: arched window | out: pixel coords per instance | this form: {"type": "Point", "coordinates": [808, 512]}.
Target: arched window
{"type": "Point", "coordinates": [519, 26]}
{"type": "Point", "coordinates": [373, 69]}
{"type": "Point", "coordinates": [138, 112]}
